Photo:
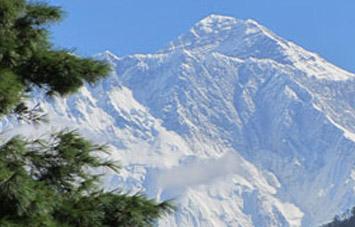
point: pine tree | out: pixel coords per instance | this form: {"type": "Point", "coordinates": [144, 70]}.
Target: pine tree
{"type": "Point", "coordinates": [347, 220]}
{"type": "Point", "coordinates": [45, 182]}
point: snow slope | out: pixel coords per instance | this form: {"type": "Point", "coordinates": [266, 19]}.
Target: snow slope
{"type": "Point", "coordinates": [239, 126]}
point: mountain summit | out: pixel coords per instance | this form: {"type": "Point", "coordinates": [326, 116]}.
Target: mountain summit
{"type": "Point", "coordinates": [232, 37]}
{"type": "Point", "coordinates": [239, 126]}
{"type": "Point", "coordinates": [247, 38]}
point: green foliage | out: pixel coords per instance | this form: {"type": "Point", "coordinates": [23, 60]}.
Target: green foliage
{"type": "Point", "coordinates": [114, 210]}
{"type": "Point", "coordinates": [47, 182]}
{"type": "Point", "coordinates": [61, 72]}
{"type": "Point", "coordinates": [347, 220]}
{"type": "Point", "coordinates": [10, 91]}
{"type": "Point", "coordinates": [27, 58]}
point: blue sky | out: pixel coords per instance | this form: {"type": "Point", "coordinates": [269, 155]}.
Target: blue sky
{"type": "Point", "coordinates": [141, 26]}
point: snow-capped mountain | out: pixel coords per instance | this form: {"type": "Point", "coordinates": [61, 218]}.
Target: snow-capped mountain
{"type": "Point", "coordinates": [239, 126]}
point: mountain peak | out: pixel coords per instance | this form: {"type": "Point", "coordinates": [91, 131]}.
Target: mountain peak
{"type": "Point", "coordinates": [218, 17]}
{"type": "Point", "coordinates": [233, 37]}
{"type": "Point", "coordinates": [107, 56]}
{"type": "Point", "coordinates": [221, 22]}
{"type": "Point", "coordinates": [213, 22]}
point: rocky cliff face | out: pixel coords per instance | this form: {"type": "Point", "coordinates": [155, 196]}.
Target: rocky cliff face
{"type": "Point", "coordinates": [239, 126]}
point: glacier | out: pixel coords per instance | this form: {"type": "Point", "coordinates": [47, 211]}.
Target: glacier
{"type": "Point", "coordinates": [237, 125]}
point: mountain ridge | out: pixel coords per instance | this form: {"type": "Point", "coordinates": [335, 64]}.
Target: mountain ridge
{"type": "Point", "coordinates": [239, 131]}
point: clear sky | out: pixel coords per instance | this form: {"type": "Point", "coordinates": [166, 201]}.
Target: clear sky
{"type": "Point", "coordinates": [143, 26]}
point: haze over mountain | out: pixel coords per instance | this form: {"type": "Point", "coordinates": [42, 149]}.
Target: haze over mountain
{"type": "Point", "coordinates": [239, 126]}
